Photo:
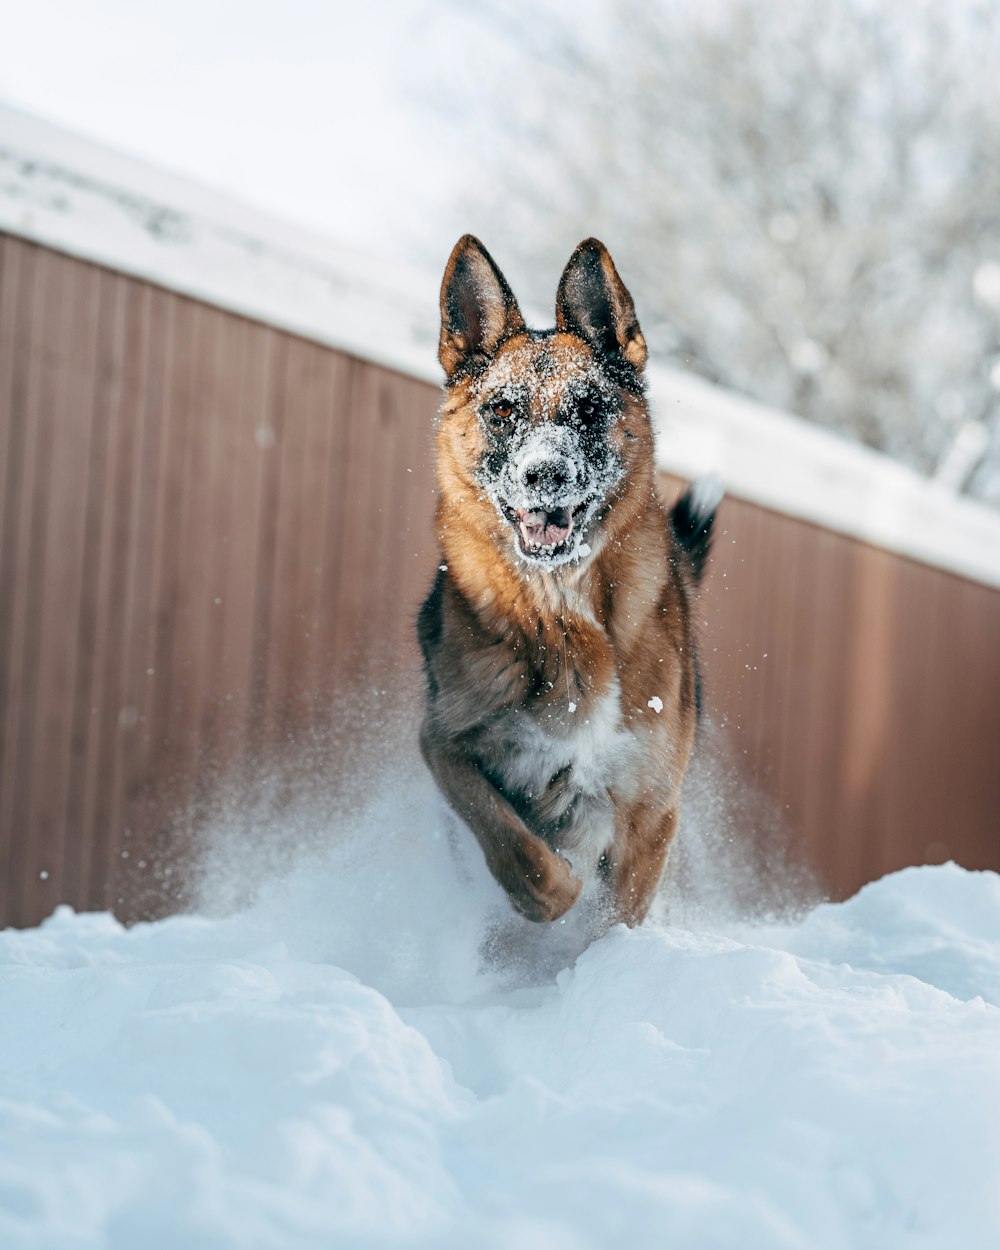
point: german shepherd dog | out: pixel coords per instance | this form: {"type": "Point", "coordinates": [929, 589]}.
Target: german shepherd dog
{"type": "Point", "coordinates": [558, 641]}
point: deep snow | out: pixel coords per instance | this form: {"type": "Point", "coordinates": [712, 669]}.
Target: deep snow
{"type": "Point", "coordinates": [371, 1053]}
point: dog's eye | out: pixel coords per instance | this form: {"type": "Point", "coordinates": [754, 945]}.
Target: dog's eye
{"type": "Point", "coordinates": [586, 408]}
{"type": "Point", "coordinates": [500, 413]}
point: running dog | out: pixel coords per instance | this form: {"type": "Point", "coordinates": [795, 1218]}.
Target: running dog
{"type": "Point", "coordinates": [558, 640]}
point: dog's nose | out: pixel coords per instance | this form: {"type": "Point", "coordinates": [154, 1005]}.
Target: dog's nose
{"type": "Point", "coordinates": [550, 474]}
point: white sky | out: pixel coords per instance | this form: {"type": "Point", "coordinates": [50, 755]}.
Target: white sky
{"type": "Point", "coordinates": [308, 108]}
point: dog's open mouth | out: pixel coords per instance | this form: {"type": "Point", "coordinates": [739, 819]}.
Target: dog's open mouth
{"type": "Point", "coordinates": [550, 535]}
{"type": "Point", "coordinates": [544, 530]}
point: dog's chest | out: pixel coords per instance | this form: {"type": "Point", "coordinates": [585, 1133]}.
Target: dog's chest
{"type": "Point", "coordinates": [563, 762]}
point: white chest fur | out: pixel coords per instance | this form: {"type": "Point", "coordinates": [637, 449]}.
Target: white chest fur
{"type": "Point", "coordinates": [597, 745]}
{"type": "Point", "coordinates": [591, 751]}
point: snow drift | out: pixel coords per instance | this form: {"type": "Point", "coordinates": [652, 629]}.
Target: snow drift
{"type": "Point", "coordinates": [372, 1052]}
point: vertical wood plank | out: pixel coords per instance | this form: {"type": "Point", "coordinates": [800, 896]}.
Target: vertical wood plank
{"type": "Point", "coordinates": [125, 566]}
{"type": "Point", "coordinates": [19, 294]}
{"type": "Point", "coordinates": [821, 813]}
{"type": "Point", "coordinates": [221, 686]}
{"type": "Point", "coordinates": [83, 710]}
{"type": "Point", "coordinates": [269, 437]}
{"type": "Point", "coordinates": [308, 672]}
{"type": "Point", "coordinates": [286, 624]}
{"type": "Point", "coordinates": [133, 795]}
{"type": "Point", "coordinates": [336, 510]}
{"type": "Point", "coordinates": [31, 576]}
{"type": "Point", "coordinates": [411, 566]}
{"type": "Point", "coordinates": [251, 451]}
{"type": "Point", "coordinates": [110, 716]}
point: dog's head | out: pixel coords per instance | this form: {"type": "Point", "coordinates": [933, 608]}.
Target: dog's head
{"type": "Point", "coordinates": [550, 426]}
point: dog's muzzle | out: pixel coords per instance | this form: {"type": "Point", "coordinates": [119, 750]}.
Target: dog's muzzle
{"type": "Point", "coordinates": [544, 492]}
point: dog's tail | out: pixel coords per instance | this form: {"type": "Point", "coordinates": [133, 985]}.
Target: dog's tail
{"type": "Point", "coordinates": [692, 517]}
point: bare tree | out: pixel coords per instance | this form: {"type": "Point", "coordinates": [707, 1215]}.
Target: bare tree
{"type": "Point", "coordinates": [804, 196]}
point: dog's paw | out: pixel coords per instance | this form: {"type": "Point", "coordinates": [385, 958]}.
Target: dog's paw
{"type": "Point", "coordinates": [547, 889]}
{"type": "Point", "coordinates": [553, 809]}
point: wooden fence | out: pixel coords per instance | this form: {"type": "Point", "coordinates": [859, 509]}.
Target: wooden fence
{"type": "Point", "coordinates": [208, 527]}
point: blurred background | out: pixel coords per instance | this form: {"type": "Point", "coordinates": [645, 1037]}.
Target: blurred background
{"type": "Point", "coordinates": [222, 227]}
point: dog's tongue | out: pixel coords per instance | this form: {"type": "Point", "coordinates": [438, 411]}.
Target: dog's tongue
{"type": "Point", "coordinates": [544, 529]}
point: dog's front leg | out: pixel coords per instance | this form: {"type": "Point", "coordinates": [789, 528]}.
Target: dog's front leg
{"type": "Point", "coordinates": [539, 882]}
{"type": "Point", "coordinates": [635, 862]}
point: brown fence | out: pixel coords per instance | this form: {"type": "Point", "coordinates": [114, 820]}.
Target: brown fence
{"type": "Point", "coordinates": [208, 525]}
{"type": "Point", "coordinates": [861, 690]}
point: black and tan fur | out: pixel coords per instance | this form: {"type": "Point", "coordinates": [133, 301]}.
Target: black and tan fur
{"type": "Point", "coordinates": [562, 680]}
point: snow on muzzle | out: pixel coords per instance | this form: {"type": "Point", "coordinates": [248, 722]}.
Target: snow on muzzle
{"type": "Point", "coordinates": [545, 468]}
{"type": "Point", "coordinates": [545, 476]}
{"type": "Point", "coordinates": [547, 488]}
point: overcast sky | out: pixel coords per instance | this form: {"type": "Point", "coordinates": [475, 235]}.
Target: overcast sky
{"type": "Point", "coordinates": [311, 108]}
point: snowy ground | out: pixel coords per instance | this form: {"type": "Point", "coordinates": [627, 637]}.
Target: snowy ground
{"type": "Point", "coordinates": [358, 1058]}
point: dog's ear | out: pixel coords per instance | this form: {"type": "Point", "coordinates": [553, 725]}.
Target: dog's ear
{"type": "Point", "coordinates": [478, 308]}
{"type": "Point", "coordinates": [593, 302]}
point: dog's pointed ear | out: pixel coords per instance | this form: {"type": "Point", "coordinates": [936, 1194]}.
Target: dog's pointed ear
{"type": "Point", "coordinates": [594, 303]}
{"type": "Point", "coordinates": [478, 308]}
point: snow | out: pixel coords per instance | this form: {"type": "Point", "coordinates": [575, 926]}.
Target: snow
{"type": "Point", "coordinates": [370, 1051]}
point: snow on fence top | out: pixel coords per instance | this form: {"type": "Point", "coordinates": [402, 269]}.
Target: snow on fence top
{"type": "Point", "coordinates": [74, 195]}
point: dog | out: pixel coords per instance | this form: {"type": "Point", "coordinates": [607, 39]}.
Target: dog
{"type": "Point", "coordinates": [559, 647]}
